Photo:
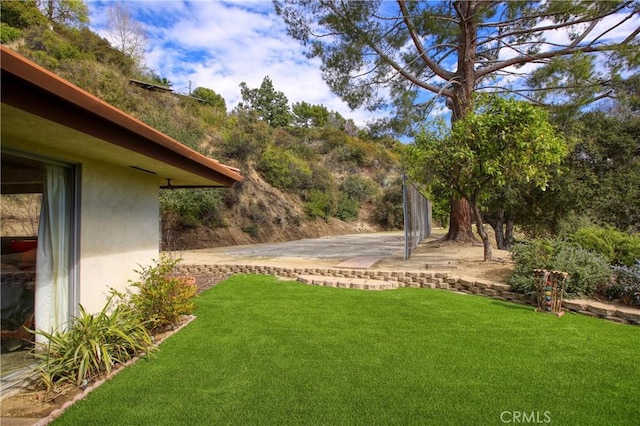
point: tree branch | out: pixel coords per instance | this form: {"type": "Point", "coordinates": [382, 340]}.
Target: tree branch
{"type": "Point", "coordinates": [441, 72]}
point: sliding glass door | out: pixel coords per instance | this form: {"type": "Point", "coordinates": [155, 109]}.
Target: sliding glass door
{"type": "Point", "coordinates": [38, 246]}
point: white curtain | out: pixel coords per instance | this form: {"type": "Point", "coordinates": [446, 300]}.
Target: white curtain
{"type": "Point", "coordinates": [52, 263]}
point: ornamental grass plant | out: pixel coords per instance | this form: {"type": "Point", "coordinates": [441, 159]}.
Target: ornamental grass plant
{"type": "Point", "coordinates": [92, 346]}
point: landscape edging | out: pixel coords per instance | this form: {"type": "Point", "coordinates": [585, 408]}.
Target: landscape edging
{"type": "Point", "coordinates": [426, 279]}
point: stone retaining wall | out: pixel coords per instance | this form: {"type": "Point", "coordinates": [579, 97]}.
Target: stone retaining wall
{"type": "Point", "coordinates": [424, 279]}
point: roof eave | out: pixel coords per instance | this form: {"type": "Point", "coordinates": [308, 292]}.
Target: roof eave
{"type": "Point", "coordinates": [158, 144]}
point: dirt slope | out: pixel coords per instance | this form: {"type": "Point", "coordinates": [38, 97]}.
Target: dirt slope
{"type": "Point", "coordinates": [256, 212]}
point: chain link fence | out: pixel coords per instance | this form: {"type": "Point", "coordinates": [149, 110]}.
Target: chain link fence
{"type": "Point", "coordinates": [417, 216]}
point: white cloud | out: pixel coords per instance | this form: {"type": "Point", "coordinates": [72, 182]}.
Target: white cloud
{"type": "Point", "coordinates": [218, 45]}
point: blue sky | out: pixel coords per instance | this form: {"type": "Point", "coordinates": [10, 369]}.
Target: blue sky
{"type": "Point", "coordinates": [219, 45]}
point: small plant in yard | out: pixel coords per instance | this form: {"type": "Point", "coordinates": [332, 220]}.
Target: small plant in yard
{"type": "Point", "coordinates": [162, 298]}
{"type": "Point", "coordinates": [92, 346]}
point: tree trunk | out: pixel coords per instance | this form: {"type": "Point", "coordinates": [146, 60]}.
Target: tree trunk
{"type": "Point", "coordinates": [499, 229]}
{"type": "Point", "coordinates": [509, 238]}
{"type": "Point", "coordinates": [461, 104]}
{"type": "Point", "coordinates": [481, 231]}
{"type": "Point", "coordinates": [460, 222]}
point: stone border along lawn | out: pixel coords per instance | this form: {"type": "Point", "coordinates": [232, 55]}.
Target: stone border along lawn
{"type": "Point", "coordinates": [388, 280]}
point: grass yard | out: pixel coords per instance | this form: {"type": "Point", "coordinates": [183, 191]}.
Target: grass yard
{"type": "Point", "coordinates": [269, 352]}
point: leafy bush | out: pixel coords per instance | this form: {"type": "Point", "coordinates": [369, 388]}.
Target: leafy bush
{"type": "Point", "coordinates": [358, 188]}
{"type": "Point", "coordinates": [616, 246]}
{"type": "Point", "coordinates": [8, 33]}
{"type": "Point", "coordinates": [347, 208]}
{"type": "Point", "coordinates": [332, 138]}
{"type": "Point", "coordinates": [320, 204]}
{"type": "Point", "coordinates": [587, 270]}
{"type": "Point", "coordinates": [626, 285]}
{"type": "Point", "coordinates": [21, 14]}
{"type": "Point", "coordinates": [353, 191]}
{"type": "Point", "coordinates": [92, 346]}
{"type": "Point", "coordinates": [323, 180]}
{"type": "Point", "coordinates": [282, 169]}
{"type": "Point", "coordinates": [96, 48]}
{"type": "Point", "coordinates": [162, 298]}
{"type": "Point", "coordinates": [388, 206]}
{"type": "Point", "coordinates": [192, 206]}
{"type": "Point", "coordinates": [47, 41]}
{"type": "Point", "coordinates": [351, 153]}
{"type": "Point", "coordinates": [245, 139]}
{"type": "Point", "coordinates": [162, 112]}
{"type": "Point", "coordinates": [252, 230]}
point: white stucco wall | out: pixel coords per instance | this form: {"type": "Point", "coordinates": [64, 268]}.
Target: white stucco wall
{"type": "Point", "coordinates": [119, 229]}
{"type": "Point", "coordinates": [118, 222]}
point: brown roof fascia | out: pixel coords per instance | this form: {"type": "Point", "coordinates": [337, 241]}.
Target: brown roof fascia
{"type": "Point", "coordinates": [163, 147]}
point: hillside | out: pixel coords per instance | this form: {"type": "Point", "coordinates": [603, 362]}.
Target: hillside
{"type": "Point", "coordinates": [306, 179]}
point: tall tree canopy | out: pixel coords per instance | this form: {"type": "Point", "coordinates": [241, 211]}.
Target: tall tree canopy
{"type": "Point", "coordinates": [266, 102]}
{"type": "Point", "coordinates": [374, 51]}
{"type": "Point", "coordinates": [308, 115]}
{"type": "Point", "coordinates": [409, 56]}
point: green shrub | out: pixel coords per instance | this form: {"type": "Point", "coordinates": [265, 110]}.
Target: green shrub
{"type": "Point", "coordinates": [192, 207]}
{"type": "Point", "coordinates": [96, 48]}
{"type": "Point", "coordinates": [48, 42]}
{"type": "Point", "coordinates": [616, 246]}
{"type": "Point", "coordinates": [8, 33]}
{"type": "Point", "coordinates": [323, 180]}
{"type": "Point", "coordinates": [353, 191]}
{"type": "Point", "coordinates": [626, 285]}
{"type": "Point", "coordinates": [331, 139]}
{"type": "Point", "coordinates": [351, 153]}
{"type": "Point", "coordinates": [251, 230]}
{"type": "Point", "coordinates": [163, 112]}
{"type": "Point", "coordinates": [347, 208]}
{"type": "Point", "coordinates": [21, 14]}
{"type": "Point", "coordinates": [92, 346]}
{"type": "Point", "coordinates": [587, 270]}
{"type": "Point", "coordinates": [320, 204]}
{"type": "Point", "coordinates": [282, 169]}
{"type": "Point", "coordinates": [246, 138]}
{"type": "Point", "coordinates": [162, 298]}
{"type": "Point", "coordinates": [388, 206]}
{"type": "Point", "coordinates": [358, 188]}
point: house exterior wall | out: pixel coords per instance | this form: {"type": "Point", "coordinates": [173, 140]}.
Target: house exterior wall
{"type": "Point", "coordinates": [119, 229]}
{"type": "Point", "coordinates": [118, 224]}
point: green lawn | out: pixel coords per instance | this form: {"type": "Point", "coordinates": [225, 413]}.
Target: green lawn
{"type": "Point", "coordinates": [269, 352]}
